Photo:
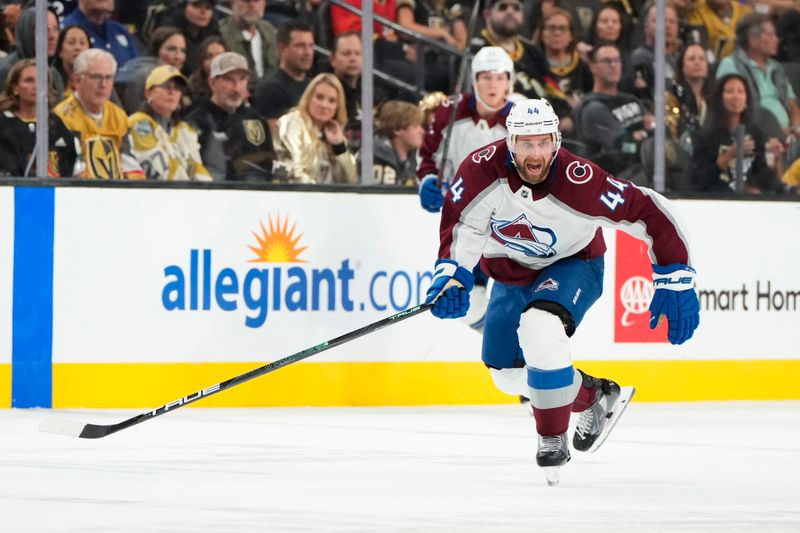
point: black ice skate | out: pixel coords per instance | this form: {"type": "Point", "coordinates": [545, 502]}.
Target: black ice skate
{"type": "Point", "coordinates": [553, 454]}
{"type": "Point", "coordinates": [596, 422]}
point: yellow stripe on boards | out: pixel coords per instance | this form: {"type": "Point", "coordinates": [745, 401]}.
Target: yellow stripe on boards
{"type": "Point", "coordinates": [303, 384]}
{"type": "Point", "coordinates": [145, 385]}
{"type": "Point", "coordinates": [5, 386]}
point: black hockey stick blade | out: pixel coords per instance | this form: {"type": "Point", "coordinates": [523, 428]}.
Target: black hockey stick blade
{"type": "Point", "coordinates": [73, 428]}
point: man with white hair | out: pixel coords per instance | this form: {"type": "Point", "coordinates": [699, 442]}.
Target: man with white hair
{"type": "Point", "coordinates": [530, 212]}
{"type": "Point", "coordinates": [101, 125]}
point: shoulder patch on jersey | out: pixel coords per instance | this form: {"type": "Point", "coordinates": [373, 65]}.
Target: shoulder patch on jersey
{"type": "Point", "coordinates": [143, 128]}
{"type": "Point", "coordinates": [485, 154]}
{"type": "Point", "coordinates": [579, 173]}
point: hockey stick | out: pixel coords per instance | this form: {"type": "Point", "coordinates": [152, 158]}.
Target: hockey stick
{"type": "Point", "coordinates": [462, 71]}
{"type": "Point", "coordinates": [73, 428]}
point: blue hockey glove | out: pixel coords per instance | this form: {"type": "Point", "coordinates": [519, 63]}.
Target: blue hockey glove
{"type": "Point", "coordinates": [430, 194]}
{"type": "Point", "coordinates": [676, 298]}
{"type": "Point", "coordinates": [450, 289]}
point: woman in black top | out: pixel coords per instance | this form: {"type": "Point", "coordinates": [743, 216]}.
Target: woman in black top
{"type": "Point", "coordinates": [713, 166]}
{"type": "Point", "coordinates": [18, 128]}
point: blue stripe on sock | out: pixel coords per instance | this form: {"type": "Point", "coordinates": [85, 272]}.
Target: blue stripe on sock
{"type": "Point", "coordinates": [32, 335]}
{"type": "Point", "coordinates": [550, 379]}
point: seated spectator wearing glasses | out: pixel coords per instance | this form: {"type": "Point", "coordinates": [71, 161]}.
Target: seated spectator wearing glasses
{"type": "Point", "coordinates": [167, 47]}
{"type": "Point", "coordinates": [311, 147]}
{"type": "Point", "coordinates": [105, 34]}
{"type": "Point", "coordinates": [197, 21]}
{"type": "Point", "coordinates": [399, 135]}
{"type": "Point", "coordinates": [18, 129]}
{"type": "Point", "coordinates": [572, 75]}
{"type": "Point", "coordinates": [612, 123]}
{"type": "Point", "coordinates": [282, 88]}
{"type": "Point", "coordinates": [235, 140]}
{"type": "Point", "coordinates": [100, 125]}
{"type": "Point", "coordinates": [25, 39]}
{"type": "Point", "coordinates": [503, 20]}
{"type": "Point", "coordinates": [166, 148]}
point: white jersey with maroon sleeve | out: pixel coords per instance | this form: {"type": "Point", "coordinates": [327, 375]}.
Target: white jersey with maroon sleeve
{"type": "Point", "coordinates": [515, 229]}
{"type": "Point", "coordinates": [469, 133]}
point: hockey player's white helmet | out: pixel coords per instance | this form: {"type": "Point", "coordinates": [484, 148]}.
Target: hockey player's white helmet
{"type": "Point", "coordinates": [532, 117]}
{"type": "Point", "coordinates": [492, 59]}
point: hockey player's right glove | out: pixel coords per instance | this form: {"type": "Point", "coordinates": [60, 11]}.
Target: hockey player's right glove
{"type": "Point", "coordinates": [449, 289]}
{"type": "Point", "coordinates": [676, 298]}
{"type": "Point", "coordinates": [430, 194]}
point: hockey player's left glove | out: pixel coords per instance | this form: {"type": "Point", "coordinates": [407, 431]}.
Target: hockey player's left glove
{"type": "Point", "coordinates": [449, 289]}
{"type": "Point", "coordinates": [676, 298]}
{"type": "Point", "coordinates": [430, 193]}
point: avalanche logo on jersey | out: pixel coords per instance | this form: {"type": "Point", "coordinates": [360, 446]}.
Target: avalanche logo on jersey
{"type": "Point", "coordinates": [485, 154]}
{"type": "Point", "coordinates": [520, 235]}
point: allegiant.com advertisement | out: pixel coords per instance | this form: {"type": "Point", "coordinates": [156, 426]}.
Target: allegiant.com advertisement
{"type": "Point", "coordinates": [275, 277]}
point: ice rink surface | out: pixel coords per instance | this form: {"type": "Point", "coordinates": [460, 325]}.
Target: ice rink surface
{"type": "Point", "coordinates": [716, 467]}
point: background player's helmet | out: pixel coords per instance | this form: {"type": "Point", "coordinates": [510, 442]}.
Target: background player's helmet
{"type": "Point", "coordinates": [491, 59]}
{"type": "Point", "coordinates": [532, 117]}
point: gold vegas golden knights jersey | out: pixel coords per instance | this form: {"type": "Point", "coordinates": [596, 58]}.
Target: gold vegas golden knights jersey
{"type": "Point", "coordinates": [166, 156]}
{"type": "Point", "coordinates": [104, 148]}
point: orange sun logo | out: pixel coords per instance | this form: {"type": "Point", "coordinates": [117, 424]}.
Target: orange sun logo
{"type": "Point", "coordinates": [278, 244]}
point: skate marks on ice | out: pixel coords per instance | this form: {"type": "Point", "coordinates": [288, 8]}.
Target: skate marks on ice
{"type": "Point", "coordinates": [667, 467]}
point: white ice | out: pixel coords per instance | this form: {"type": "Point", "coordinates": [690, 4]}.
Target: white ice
{"type": "Point", "coordinates": [715, 467]}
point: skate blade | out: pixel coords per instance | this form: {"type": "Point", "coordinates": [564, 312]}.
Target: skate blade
{"type": "Point", "coordinates": [551, 475]}
{"type": "Point", "coordinates": [625, 396]}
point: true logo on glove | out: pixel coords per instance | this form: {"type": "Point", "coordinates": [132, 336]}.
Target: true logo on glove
{"type": "Point", "coordinates": [676, 281]}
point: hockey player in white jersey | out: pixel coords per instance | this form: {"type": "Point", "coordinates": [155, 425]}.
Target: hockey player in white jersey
{"type": "Point", "coordinates": [480, 118]}
{"type": "Point", "coordinates": [530, 212]}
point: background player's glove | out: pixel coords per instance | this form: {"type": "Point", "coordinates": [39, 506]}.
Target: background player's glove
{"type": "Point", "coordinates": [430, 194]}
{"type": "Point", "coordinates": [450, 289]}
{"type": "Point", "coordinates": [676, 298]}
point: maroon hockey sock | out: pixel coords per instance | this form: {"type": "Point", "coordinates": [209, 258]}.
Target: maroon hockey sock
{"type": "Point", "coordinates": [586, 397]}
{"type": "Point", "coordinates": [551, 421]}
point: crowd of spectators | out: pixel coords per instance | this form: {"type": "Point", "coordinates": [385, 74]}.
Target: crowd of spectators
{"type": "Point", "coordinates": [234, 90]}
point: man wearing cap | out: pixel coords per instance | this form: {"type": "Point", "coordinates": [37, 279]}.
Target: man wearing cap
{"type": "Point", "coordinates": [167, 148]}
{"type": "Point", "coordinates": [247, 33]}
{"type": "Point", "coordinates": [235, 140]}
{"type": "Point", "coordinates": [99, 124]}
